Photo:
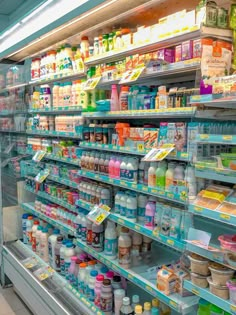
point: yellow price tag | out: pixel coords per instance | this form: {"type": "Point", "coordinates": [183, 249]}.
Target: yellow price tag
{"type": "Point", "coordinates": [170, 242]}
{"type": "Point", "coordinates": [195, 291]}
{"type": "Point", "coordinates": [225, 216]}
{"type": "Point", "coordinates": [204, 137]}
{"type": "Point", "coordinates": [43, 276]}
{"type": "Point", "coordinates": [100, 218]}
{"type": "Point", "coordinates": [140, 147]}
{"type": "Point", "coordinates": [227, 138]}
{"type": "Point", "coordinates": [198, 209]}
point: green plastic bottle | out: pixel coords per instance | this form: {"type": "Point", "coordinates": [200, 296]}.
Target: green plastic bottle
{"type": "Point", "coordinates": [203, 308]}
{"type": "Point", "coordinates": [161, 175]}
{"type": "Point", "coordinates": [215, 310]}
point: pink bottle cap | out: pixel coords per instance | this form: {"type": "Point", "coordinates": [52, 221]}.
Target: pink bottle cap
{"type": "Point", "coordinates": [100, 278]}
{"type": "Point", "coordinates": [110, 275]}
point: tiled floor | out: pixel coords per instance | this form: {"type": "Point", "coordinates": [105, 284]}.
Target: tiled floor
{"type": "Point", "coordinates": [11, 304]}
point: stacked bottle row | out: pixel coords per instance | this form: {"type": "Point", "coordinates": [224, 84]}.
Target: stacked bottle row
{"type": "Point", "coordinates": [99, 284]}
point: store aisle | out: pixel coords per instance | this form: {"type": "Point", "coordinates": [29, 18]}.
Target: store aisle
{"type": "Point", "coordinates": [11, 304]}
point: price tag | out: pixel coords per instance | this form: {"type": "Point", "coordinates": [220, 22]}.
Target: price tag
{"type": "Point", "coordinates": [39, 155]}
{"type": "Point", "coordinates": [195, 291]}
{"type": "Point", "coordinates": [44, 273]}
{"type": "Point", "coordinates": [42, 175]}
{"type": "Point", "coordinates": [131, 75]}
{"type": "Point", "coordinates": [30, 262]}
{"type": "Point", "coordinates": [233, 309]}
{"type": "Point", "coordinates": [159, 154]}
{"type": "Point", "coordinates": [227, 138]}
{"type": "Point", "coordinates": [198, 209]}
{"type": "Point", "coordinates": [140, 147]}
{"type": "Point", "coordinates": [224, 216]}
{"type": "Point", "coordinates": [204, 137]}
{"type": "Point", "coordinates": [99, 213]}
{"type": "Point", "coordinates": [91, 84]}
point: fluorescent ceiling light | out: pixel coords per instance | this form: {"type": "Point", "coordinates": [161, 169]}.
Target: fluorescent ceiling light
{"type": "Point", "coordinates": [33, 13]}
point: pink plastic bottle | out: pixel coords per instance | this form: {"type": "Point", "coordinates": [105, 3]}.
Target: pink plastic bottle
{"type": "Point", "coordinates": [73, 271]}
{"type": "Point", "coordinates": [117, 168]}
{"type": "Point", "coordinates": [114, 98]}
{"type": "Point", "coordinates": [150, 213]}
{"type": "Point", "coordinates": [111, 167]}
{"type": "Point", "coordinates": [97, 290]}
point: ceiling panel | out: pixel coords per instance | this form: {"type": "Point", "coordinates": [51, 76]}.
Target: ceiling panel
{"type": "Point", "coordinates": [9, 6]}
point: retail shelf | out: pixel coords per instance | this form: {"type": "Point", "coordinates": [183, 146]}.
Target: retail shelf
{"type": "Point", "coordinates": [53, 199]}
{"type": "Point", "coordinates": [12, 131]}
{"type": "Point", "coordinates": [63, 181]}
{"type": "Point", "coordinates": [53, 157]}
{"type": "Point", "coordinates": [183, 112]}
{"type": "Point", "coordinates": [13, 112]}
{"type": "Point", "coordinates": [13, 87]}
{"type": "Point", "coordinates": [219, 174]}
{"type": "Point", "coordinates": [29, 207]}
{"type": "Point", "coordinates": [57, 110]}
{"type": "Point", "coordinates": [226, 102]}
{"type": "Point", "coordinates": [182, 156]}
{"type": "Point", "coordinates": [57, 77]}
{"type": "Point", "coordinates": [168, 241]}
{"type": "Point", "coordinates": [47, 133]}
{"type": "Point", "coordinates": [221, 139]}
{"type": "Point", "coordinates": [175, 301]}
{"type": "Point", "coordinates": [225, 305]}
{"type": "Point", "coordinates": [162, 194]}
{"type": "Point", "coordinates": [216, 255]}
{"type": "Point", "coordinates": [160, 43]}
{"type": "Point", "coordinates": [60, 296]}
{"type": "Point", "coordinates": [213, 214]}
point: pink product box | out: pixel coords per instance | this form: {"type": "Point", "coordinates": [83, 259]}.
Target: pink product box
{"type": "Point", "coordinates": [197, 48]}
{"type": "Point", "coordinates": [178, 53]}
{"type": "Point", "coordinates": [166, 54]}
{"type": "Point", "coordinates": [187, 50]}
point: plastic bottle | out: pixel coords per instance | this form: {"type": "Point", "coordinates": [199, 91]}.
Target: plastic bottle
{"type": "Point", "coordinates": [142, 201]}
{"type": "Point", "coordinates": [111, 241]}
{"type": "Point", "coordinates": [106, 297]}
{"type": "Point", "coordinates": [72, 276]}
{"type": "Point", "coordinates": [117, 202]}
{"type": "Point", "coordinates": [98, 237]}
{"type": "Point", "coordinates": [83, 226]}
{"type": "Point", "coordinates": [138, 310]}
{"type": "Point", "coordinates": [78, 222]}
{"type": "Point", "coordinates": [137, 240]}
{"type": "Point", "coordinates": [62, 257]}
{"type": "Point", "coordinates": [119, 294]}
{"type": "Point", "coordinates": [123, 101]}
{"type": "Point", "coordinates": [81, 277]}
{"type": "Point", "coordinates": [155, 311]}
{"type": "Point", "coordinates": [97, 290]}
{"type": "Point", "coordinates": [169, 176]}
{"type": "Point", "coordinates": [106, 164]}
{"type": "Point", "coordinates": [146, 247]}
{"type": "Point", "coordinates": [88, 269]}
{"type": "Point", "coordinates": [52, 240]}
{"type": "Point", "coordinates": [105, 196]}
{"type": "Point", "coordinates": [89, 238]}
{"type": "Point", "coordinates": [131, 207]}
{"type": "Point", "coordinates": [126, 308]}
{"type": "Point", "coordinates": [123, 168]}
{"type": "Point", "coordinates": [191, 182]}
{"type": "Point", "coordinates": [68, 253]}
{"type": "Point", "coordinates": [140, 97]}
{"type": "Point", "coordinates": [124, 248]}
{"type": "Point", "coordinates": [147, 308]}
{"type": "Point", "coordinates": [112, 167]}
{"type": "Point", "coordinates": [141, 172]}
{"type": "Point", "coordinates": [114, 98]}
{"type": "Point", "coordinates": [117, 168]}
{"type": "Point", "coordinates": [152, 174]}
{"type": "Point", "coordinates": [34, 230]}
{"type": "Point", "coordinates": [116, 283]}
{"type": "Point", "coordinates": [135, 301]}
{"type": "Point", "coordinates": [150, 211]}
{"type": "Point", "coordinates": [160, 175]}
{"type": "Point", "coordinates": [203, 307]}
{"type": "Point", "coordinates": [215, 310]}
{"type": "Point", "coordinates": [57, 253]}
{"type": "Point", "coordinates": [24, 220]}
{"type": "Point", "coordinates": [44, 245]}
{"type": "Point", "coordinates": [132, 170]}
{"type": "Point", "coordinates": [92, 280]}
{"type": "Point", "coordinates": [37, 235]}
{"type": "Point", "coordinates": [179, 172]}
{"type": "Point", "coordinates": [123, 202]}
{"type": "Point", "coordinates": [29, 225]}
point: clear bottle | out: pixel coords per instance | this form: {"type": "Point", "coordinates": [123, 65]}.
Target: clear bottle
{"type": "Point", "coordinates": [152, 174]}
{"type": "Point", "coordinates": [114, 98]}
{"type": "Point", "coordinates": [147, 308]}
{"type": "Point", "coordinates": [138, 310]}
{"type": "Point", "coordinates": [169, 176]}
{"type": "Point", "coordinates": [126, 308]}
{"type": "Point", "coordinates": [135, 301]}
{"type": "Point", "coordinates": [160, 175]}
{"type": "Point", "coordinates": [119, 294]}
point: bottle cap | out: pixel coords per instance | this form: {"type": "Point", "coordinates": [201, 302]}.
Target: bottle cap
{"type": "Point", "coordinates": [69, 245]}
{"type": "Point", "coordinates": [39, 228]}
{"type": "Point", "coordinates": [104, 269]}
{"type": "Point", "coordinates": [110, 275]}
{"type": "Point", "coordinates": [126, 301]}
{"type": "Point", "coordinates": [45, 230]}
{"type": "Point", "coordinates": [119, 293]}
{"type": "Point", "coordinates": [83, 265]}
{"type": "Point", "coordinates": [155, 303]}
{"type": "Point", "coordinates": [135, 299]}
{"type": "Point", "coordinates": [106, 282]}
{"type": "Point", "coordinates": [25, 216]}
{"type": "Point", "coordinates": [138, 309]}
{"type": "Point", "coordinates": [36, 222]}
{"type": "Point", "coordinates": [93, 273]}
{"type": "Point", "coordinates": [100, 278]}
{"type": "Point", "coordinates": [64, 242]}
{"type": "Point", "coordinates": [30, 217]}
{"type": "Point", "coordinates": [116, 279]}
{"type": "Point", "coordinates": [56, 231]}
{"type": "Point", "coordinates": [91, 262]}
{"type": "Point", "coordinates": [147, 306]}
{"type": "Point", "coordinates": [155, 311]}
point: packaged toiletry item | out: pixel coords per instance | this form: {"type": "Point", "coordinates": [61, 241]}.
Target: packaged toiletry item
{"type": "Point", "coordinates": [180, 137]}
{"type": "Point", "coordinates": [178, 53]}
{"type": "Point", "coordinates": [187, 50]}
{"type": "Point", "coordinates": [166, 220]}
{"type": "Point", "coordinates": [111, 241]}
{"type": "Point", "coordinates": [175, 223]}
{"type": "Point", "coordinates": [166, 280]}
{"type": "Point", "coordinates": [162, 136]}
{"type": "Point", "coordinates": [124, 245]}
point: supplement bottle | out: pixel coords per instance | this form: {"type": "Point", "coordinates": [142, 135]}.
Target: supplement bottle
{"type": "Point", "coordinates": [111, 240]}
{"type": "Point", "coordinates": [119, 294]}
{"type": "Point", "coordinates": [106, 297]}
{"type": "Point", "coordinates": [52, 240]}
{"type": "Point", "coordinates": [68, 253]}
{"type": "Point", "coordinates": [126, 308]}
{"type": "Point", "coordinates": [57, 253]}
{"type": "Point", "coordinates": [124, 248]}
{"type": "Point", "coordinates": [43, 252]}
{"type": "Point", "coordinates": [98, 237]}
{"type": "Point", "coordinates": [34, 230]}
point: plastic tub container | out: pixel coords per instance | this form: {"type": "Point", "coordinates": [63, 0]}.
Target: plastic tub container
{"type": "Point", "coordinates": [220, 274]}
{"type": "Point", "coordinates": [219, 290]}
{"type": "Point", "coordinates": [199, 265]}
{"type": "Point", "coordinates": [227, 242]}
{"type": "Point", "coordinates": [231, 284]}
{"type": "Point", "coordinates": [231, 259]}
{"type": "Point", "coordinates": [199, 280]}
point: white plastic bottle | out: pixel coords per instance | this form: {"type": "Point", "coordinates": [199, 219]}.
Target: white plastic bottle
{"type": "Point", "coordinates": [52, 240]}
{"type": "Point", "coordinates": [126, 308]}
{"type": "Point", "coordinates": [24, 221]}
{"type": "Point", "coordinates": [123, 169]}
{"type": "Point", "coordinates": [78, 224]}
{"type": "Point", "coordinates": [68, 253]}
{"type": "Point", "coordinates": [62, 257]}
{"type": "Point", "coordinates": [142, 201]}
{"type": "Point", "coordinates": [169, 176]}
{"type": "Point", "coordinates": [117, 202]}
{"type": "Point", "coordinates": [119, 294]}
{"type": "Point", "coordinates": [57, 253]}
{"type": "Point", "coordinates": [83, 226]}
{"type": "Point", "coordinates": [152, 174]}
{"type": "Point", "coordinates": [179, 172]}
{"type": "Point", "coordinates": [141, 168]}
{"type": "Point", "coordinates": [98, 237]}
{"type": "Point", "coordinates": [132, 170]}
{"type": "Point", "coordinates": [106, 197]}
{"type": "Point", "coordinates": [131, 208]}
{"type": "Point", "coordinates": [111, 240]}
{"type": "Point", "coordinates": [123, 202]}
{"type": "Point", "coordinates": [91, 285]}
{"type": "Point", "coordinates": [29, 225]}
{"type": "Point", "coordinates": [44, 245]}
{"type": "Point", "coordinates": [147, 308]}
{"type": "Point", "coordinates": [37, 236]}
{"type": "Point", "coordinates": [191, 182]}
{"type": "Point", "coordinates": [88, 269]}
{"type": "Point", "coordinates": [34, 230]}
{"type": "Point", "coordinates": [124, 248]}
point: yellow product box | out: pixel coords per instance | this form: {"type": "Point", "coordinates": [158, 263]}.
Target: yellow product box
{"type": "Point", "coordinates": [151, 138]}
